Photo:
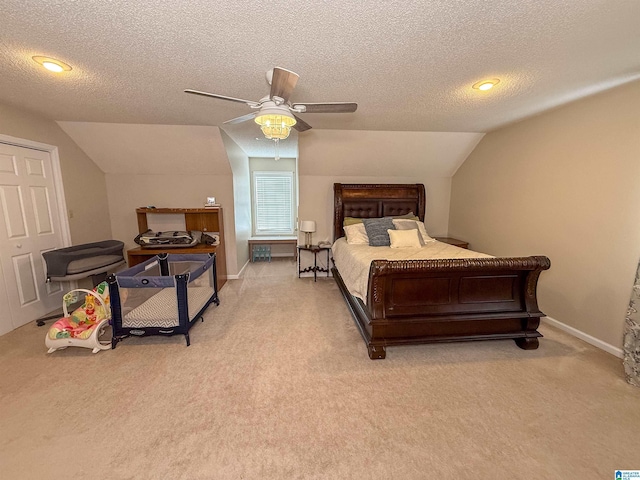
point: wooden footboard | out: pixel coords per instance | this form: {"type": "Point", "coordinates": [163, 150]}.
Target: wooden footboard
{"type": "Point", "coordinates": [425, 301]}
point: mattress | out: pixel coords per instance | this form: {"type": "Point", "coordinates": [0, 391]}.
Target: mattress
{"type": "Point", "coordinates": [353, 261]}
{"type": "Point", "coordinates": [161, 310]}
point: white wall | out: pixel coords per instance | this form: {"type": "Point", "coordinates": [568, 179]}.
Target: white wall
{"type": "Point", "coordinates": [563, 184]}
{"type": "Point", "coordinates": [239, 162]}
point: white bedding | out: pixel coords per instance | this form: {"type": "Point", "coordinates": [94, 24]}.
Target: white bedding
{"type": "Point", "coordinates": [353, 261]}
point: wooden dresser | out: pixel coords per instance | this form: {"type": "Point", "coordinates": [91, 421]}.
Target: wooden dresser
{"type": "Point", "coordinates": [207, 220]}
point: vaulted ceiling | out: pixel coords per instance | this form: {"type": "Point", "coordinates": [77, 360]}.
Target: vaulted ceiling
{"type": "Point", "coordinates": [409, 65]}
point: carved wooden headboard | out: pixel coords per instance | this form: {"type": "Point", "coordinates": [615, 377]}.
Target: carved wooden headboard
{"type": "Point", "coordinates": [373, 200]}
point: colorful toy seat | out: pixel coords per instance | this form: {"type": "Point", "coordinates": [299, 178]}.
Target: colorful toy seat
{"type": "Point", "coordinates": [86, 324]}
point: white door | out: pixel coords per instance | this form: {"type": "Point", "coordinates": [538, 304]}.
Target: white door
{"type": "Point", "coordinates": [29, 226]}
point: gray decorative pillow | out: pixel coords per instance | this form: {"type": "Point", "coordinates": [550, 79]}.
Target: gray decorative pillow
{"type": "Point", "coordinates": [377, 231]}
{"type": "Point", "coordinates": [403, 224]}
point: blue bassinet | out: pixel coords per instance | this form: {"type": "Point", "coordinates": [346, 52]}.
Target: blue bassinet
{"type": "Point", "coordinates": [163, 296]}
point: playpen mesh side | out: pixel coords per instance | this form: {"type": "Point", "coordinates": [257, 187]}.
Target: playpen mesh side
{"type": "Point", "coordinates": [150, 300]}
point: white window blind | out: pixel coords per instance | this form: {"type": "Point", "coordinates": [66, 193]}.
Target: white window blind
{"type": "Point", "coordinates": [273, 203]}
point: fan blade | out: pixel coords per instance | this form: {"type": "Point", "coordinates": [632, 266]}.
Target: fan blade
{"type": "Point", "coordinates": [301, 125]}
{"type": "Point", "coordinates": [244, 118]}
{"type": "Point", "coordinates": [332, 107]}
{"type": "Point", "coordinates": [282, 83]}
{"type": "Point", "coordinates": [222, 97]}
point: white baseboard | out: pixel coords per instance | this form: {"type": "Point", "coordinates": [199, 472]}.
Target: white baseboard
{"type": "Point", "coordinates": [585, 337]}
{"type": "Point", "coordinates": [237, 277]}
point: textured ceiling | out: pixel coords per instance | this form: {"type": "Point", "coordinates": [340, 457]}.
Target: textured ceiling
{"type": "Point", "coordinates": [408, 65]}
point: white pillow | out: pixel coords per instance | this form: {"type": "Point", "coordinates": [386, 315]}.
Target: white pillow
{"type": "Point", "coordinates": [404, 238]}
{"type": "Point", "coordinates": [404, 224]}
{"type": "Point", "coordinates": [356, 234]}
{"type": "Point", "coordinates": [423, 232]}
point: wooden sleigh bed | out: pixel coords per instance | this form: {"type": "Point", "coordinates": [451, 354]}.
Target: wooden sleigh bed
{"type": "Point", "coordinates": [445, 300]}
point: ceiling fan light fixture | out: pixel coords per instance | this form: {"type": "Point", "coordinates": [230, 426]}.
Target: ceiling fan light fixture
{"type": "Point", "coordinates": [276, 132]}
{"type": "Point", "coordinates": [275, 114]}
{"type": "Point", "coordinates": [275, 123]}
{"type": "Point", "coordinates": [52, 64]}
{"type": "Point", "coordinates": [485, 85]}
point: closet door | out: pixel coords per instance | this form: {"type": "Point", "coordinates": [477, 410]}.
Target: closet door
{"type": "Point", "coordinates": [29, 226]}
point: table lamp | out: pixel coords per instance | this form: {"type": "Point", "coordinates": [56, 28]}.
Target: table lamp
{"type": "Point", "coordinates": [308, 227]}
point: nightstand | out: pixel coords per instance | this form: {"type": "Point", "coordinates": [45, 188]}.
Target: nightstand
{"type": "Point", "coordinates": [453, 241]}
{"type": "Point", "coordinates": [315, 269]}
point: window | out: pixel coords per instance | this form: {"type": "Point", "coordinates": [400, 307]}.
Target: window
{"type": "Point", "coordinates": [273, 203]}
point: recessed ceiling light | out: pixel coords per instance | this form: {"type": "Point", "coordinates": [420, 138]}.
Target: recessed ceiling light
{"type": "Point", "coordinates": [486, 84]}
{"type": "Point", "coordinates": [52, 64]}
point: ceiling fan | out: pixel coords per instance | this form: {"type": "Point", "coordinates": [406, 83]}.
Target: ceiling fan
{"type": "Point", "coordinates": [275, 114]}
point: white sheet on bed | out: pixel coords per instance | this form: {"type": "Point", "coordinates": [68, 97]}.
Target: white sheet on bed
{"type": "Point", "coordinates": [353, 261]}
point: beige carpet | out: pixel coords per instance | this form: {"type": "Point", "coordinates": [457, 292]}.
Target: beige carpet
{"type": "Point", "coordinates": [277, 384]}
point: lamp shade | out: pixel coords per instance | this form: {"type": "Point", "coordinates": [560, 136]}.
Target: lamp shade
{"type": "Point", "coordinates": [308, 226]}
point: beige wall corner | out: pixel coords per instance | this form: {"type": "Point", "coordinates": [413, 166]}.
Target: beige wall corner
{"type": "Point", "coordinates": [563, 184]}
{"type": "Point", "coordinates": [84, 183]}
{"type": "Point", "coordinates": [239, 162]}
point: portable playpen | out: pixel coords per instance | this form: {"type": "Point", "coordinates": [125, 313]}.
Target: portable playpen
{"type": "Point", "coordinates": [165, 295]}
